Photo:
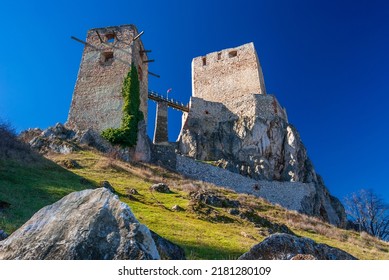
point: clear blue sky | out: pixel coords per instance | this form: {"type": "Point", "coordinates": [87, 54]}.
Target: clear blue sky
{"type": "Point", "coordinates": [327, 62]}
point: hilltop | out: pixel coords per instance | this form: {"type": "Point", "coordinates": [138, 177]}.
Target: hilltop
{"type": "Point", "coordinates": [209, 222]}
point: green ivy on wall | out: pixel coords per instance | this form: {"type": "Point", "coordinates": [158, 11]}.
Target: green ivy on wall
{"type": "Point", "coordinates": [127, 134]}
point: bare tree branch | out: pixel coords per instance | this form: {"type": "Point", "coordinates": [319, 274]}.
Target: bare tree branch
{"type": "Point", "coordinates": [369, 213]}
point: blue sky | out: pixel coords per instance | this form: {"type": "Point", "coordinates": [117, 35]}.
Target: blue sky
{"type": "Point", "coordinates": [327, 62]}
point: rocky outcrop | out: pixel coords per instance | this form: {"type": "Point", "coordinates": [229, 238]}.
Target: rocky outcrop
{"type": "Point", "coordinates": [168, 250]}
{"type": "Point", "coordinates": [86, 225]}
{"type": "Point", "coordinates": [251, 136]}
{"type": "Point", "coordinates": [281, 246]}
{"type": "Point", "coordinates": [61, 139]}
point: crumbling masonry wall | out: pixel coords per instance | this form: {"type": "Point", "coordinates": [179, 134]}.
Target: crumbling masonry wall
{"type": "Point", "coordinates": [227, 74]}
{"type": "Point", "coordinates": [97, 99]}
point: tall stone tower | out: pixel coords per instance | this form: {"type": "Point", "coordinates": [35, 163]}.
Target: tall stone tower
{"type": "Point", "coordinates": [108, 54]}
{"type": "Point", "coordinates": [227, 74]}
{"type": "Point", "coordinates": [97, 99]}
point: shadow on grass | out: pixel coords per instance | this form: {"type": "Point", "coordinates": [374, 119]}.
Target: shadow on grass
{"type": "Point", "coordinates": [29, 186]}
{"type": "Point", "coordinates": [205, 252]}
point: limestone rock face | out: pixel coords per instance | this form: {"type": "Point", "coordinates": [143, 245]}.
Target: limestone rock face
{"type": "Point", "coordinates": [282, 246]}
{"type": "Point", "coordinates": [260, 146]}
{"type": "Point", "coordinates": [63, 140]}
{"type": "Point", "coordinates": [252, 136]}
{"type": "Point", "coordinates": [86, 225]}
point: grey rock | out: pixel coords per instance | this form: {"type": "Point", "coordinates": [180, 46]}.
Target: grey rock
{"type": "Point", "coordinates": [160, 187]}
{"type": "Point", "coordinates": [70, 164]}
{"type": "Point", "coordinates": [52, 144]}
{"type": "Point", "coordinates": [92, 138]}
{"type": "Point", "coordinates": [303, 257]}
{"type": "Point", "coordinates": [213, 199]}
{"type": "Point", "coordinates": [177, 208]}
{"type": "Point", "coordinates": [168, 250]}
{"type": "Point", "coordinates": [86, 225]}
{"type": "Point", "coordinates": [107, 185]}
{"type": "Point", "coordinates": [234, 211]}
{"type": "Point", "coordinates": [281, 246]}
{"type": "Point", "coordinates": [27, 135]}
{"type": "Point", "coordinates": [133, 192]}
{"type": "Point", "coordinates": [58, 131]}
{"type": "Point", "coordinates": [256, 141]}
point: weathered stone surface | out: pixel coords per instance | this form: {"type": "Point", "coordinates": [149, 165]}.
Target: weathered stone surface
{"type": "Point", "coordinates": [160, 187]}
{"type": "Point", "coordinates": [212, 199]}
{"type": "Point", "coordinates": [164, 155]}
{"type": "Point", "coordinates": [91, 224]}
{"type": "Point", "coordinates": [281, 246]}
{"type": "Point", "coordinates": [227, 74]}
{"type": "Point", "coordinates": [60, 139]}
{"type": "Point", "coordinates": [91, 138]}
{"type": "Point", "coordinates": [107, 185]}
{"type": "Point", "coordinates": [142, 151]}
{"type": "Point", "coordinates": [251, 136]}
{"type": "Point", "coordinates": [291, 195]}
{"type": "Point", "coordinates": [168, 250]}
{"type": "Point", "coordinates": [161, 132]}
{"type": "Point", "coordinates": [303, 257]}
{"type": "Point", "coordinates": [97, 100]}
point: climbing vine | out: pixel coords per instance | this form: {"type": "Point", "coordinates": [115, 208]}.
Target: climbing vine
{"type": "Point", "coordinates": [127, 134]}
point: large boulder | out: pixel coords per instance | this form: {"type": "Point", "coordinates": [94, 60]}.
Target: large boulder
{"type": "Point", "coordinates": [86, 225]}
{"type": "Point", "coordinates": [282, 246]}
{"type": "Point", "coordinates": [168, 250]}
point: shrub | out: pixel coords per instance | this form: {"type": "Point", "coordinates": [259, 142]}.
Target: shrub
{"type": "Point", "coordinates": [10, 146]}
{"type": "Point", "coordinates": [127, 134]}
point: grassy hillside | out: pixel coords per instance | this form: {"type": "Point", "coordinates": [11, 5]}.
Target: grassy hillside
{"type": "Point", "coordinates": [205, 232]}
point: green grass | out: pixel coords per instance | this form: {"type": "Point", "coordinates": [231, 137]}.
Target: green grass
{"type": "Point", "coordinates": [29, 187]}
{"type": "Point", "coordinates": [215, 236]}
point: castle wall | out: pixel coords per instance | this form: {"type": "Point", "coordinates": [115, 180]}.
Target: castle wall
{"type": "Point", "coordinates": [97, 99]}
{"type": "Point", "coordinates": [161, 124]}
{"type": "Point", "coordinates": [227, 74]}
{"type": "Point", "coordinates": [291, 195]}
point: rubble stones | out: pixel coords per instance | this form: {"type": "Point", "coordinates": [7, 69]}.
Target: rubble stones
{"type": "Point", "coordinates": [213, 199]}
{"type": "Point", "coordinates": [160, 187]}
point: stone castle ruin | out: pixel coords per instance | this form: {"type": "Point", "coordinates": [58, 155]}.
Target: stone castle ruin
{"type": "Point", "coordinates": [97, 99]}
{"type": "Point", "coordinates": [231, 122]}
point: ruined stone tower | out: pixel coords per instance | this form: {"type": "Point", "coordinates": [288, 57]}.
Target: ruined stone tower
{"type": "Point", "coordinates": [235, 124]}
{"type": "Point", "coordinates": [97, 99]}
{"type": "Point", "coordinates": [108, 54]}
{"type": "Point", "coordinates": [227, 74]}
